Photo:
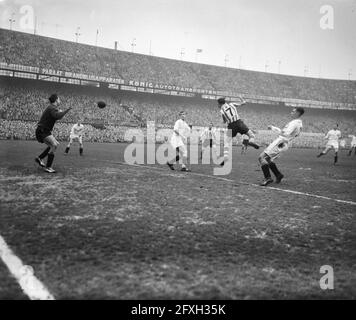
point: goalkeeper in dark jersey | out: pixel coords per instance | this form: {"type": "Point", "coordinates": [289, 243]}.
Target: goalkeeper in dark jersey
{"type": "Point", "coordinates": [44, 132]}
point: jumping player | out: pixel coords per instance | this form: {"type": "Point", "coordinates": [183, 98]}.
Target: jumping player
{"type": "Point", "coordinates": [76, 134]}
{"type": "Point", "coordinates": [353, 144]}
{"type": "Point", "coordinates": [333, 142]}
{"type": "Point", "coordinates": [178, 140]}
{"type": "Point", "coordinates": [44, 132]}
{"type": "Point", "coordinates": [231, 117]}
{"type": "Point", "coordinates": [273, 151]}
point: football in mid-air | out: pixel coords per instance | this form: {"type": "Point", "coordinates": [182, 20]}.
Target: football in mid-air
{"type": "Point", "coordinates": [101, 104]}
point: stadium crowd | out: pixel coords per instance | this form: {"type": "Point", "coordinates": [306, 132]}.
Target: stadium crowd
{"type": "Point", "coordinates": [25, 100]}
{"type": "Point", "coordinates": [37, 51]}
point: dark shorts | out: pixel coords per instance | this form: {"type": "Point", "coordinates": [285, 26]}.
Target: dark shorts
{"type": "Point", "coordinates": [238, 127]}
{"type": "Point", "coordinates": [42, 134]}
{"type": "Point", "coordinates": [245, 142]}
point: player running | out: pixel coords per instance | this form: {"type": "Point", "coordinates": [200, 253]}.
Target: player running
{"type": "Point", "coordinates": [353, 144]}
{"type": "Point", "coordinates": [231, 117]}
{"type": "Point", "coordinates": [178, 140]}
{"type": "Point", "coordinates": [333, 137]}
{"type": "Point", "coordinates": [44, 132]}
{"type": "Point", "coordinates": [208, 138]}
{"type": "Point", "coordinates": [279, 145]}
{"type": "Point", "coordinates": [76, 134]}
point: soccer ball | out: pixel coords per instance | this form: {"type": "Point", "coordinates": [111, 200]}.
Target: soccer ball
{"type": "Point", "coordinates": [101, 104]}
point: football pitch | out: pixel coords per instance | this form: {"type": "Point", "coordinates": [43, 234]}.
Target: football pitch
{"type": "Point", "coordinates": [101, 229]}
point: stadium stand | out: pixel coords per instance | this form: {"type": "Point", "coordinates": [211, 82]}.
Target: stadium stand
{"type": "Point", "coordinates": [22, 100]}
{"type": "Point", "coordinates": [37, 51]}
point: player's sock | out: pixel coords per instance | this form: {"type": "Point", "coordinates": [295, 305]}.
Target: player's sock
{"type": "Point", "coordinates": [350, 152]}
{"type": "Point", "coordinates": [44, 153]}
{"type": "Point", "coordinates": [252, 144]}
{"type": "Point", "coordinates": [177, 158]}
{"type": "Point", "coordinates": [320, 154]}
{"type": "Point", "coordinates": [335, 159]}
{"type": "Point", "coordinates": [170, 166]}
{"type": "Point", "coordinates": [274, 169]}
{"type": "Point", "coordinates": [266, 172]}
{"type": "Point", "coordinates": [226, 158]}
{"type": "Point", "coordinates": [67, 150]}
{"type": "Point", "coordinates": [50, 160]}
{"type": "Point", "coordinates": [81, 151]}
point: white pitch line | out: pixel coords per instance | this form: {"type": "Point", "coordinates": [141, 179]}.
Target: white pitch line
{"type": "Point", "coordinates": [311, 195]}
{"type": "Point", "coordinates": [24, 275]}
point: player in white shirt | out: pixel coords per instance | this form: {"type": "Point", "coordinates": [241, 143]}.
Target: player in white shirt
{"type": "Point", "coordinates": [181, 132]}
{"type": "Point", "coordinates": [234, 123]}
{"type": "Point", "coordinates": [76, 134]}
{"type": "Point", "coordinates": [333, 142]}
{"type": "Point", "coordinates": [208, 138]}
{"type": "Point", "coordinates": [353, 144]}
{"type": "Point", "coordinates": [279, 145]}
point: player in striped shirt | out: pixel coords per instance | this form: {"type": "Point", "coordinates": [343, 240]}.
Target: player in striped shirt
{"type": "Point", "coordinates": [208, 138]}
{"type": "Point", "coordinates": [231, 117]}
{"type": "Point", "coordinates": [76, 134]}
{"type": "Point", "coordinates": [279, 145]}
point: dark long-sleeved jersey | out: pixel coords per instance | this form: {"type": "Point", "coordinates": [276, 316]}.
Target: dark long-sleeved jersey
{"type": "Point", "coordinates": [50, 116]}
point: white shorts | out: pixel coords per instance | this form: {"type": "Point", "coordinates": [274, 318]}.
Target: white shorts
{"type": "Point", "coordinates": [183, 150]}
{"type": "Point", "coordinates": [334, 145]}
{"type": "Point", "coordinates": [78, 138]}
{"type": "Point", "coordinates": [176, 141]}
{"type": "Point", "coordinates": [275, 149]}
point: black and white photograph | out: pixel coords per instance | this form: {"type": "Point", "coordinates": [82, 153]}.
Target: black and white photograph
{"type": "Point", "coordinates": [177, 150]}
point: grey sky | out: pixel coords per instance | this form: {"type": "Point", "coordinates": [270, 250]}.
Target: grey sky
{"type": "Point", "coordinates": [253, 33]}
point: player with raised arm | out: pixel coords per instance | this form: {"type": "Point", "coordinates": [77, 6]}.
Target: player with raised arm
{"type": "Point", "coordinates": [76, 134]}
{"type": "Point", "coordinates": [353, 144]}
{"type": "Point", "coordinates": [44, 132]}
{"type": "Point", "coordinates": [178, 141]}
{"type": "Point", "coordinates": [231, 117]}
{"type": "Point", "coordinates": [333, 142]}
{"type": "Point", "coordinates": [279, 145]}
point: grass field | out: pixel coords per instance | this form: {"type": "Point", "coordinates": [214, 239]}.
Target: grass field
{"type": "Point", "coordinates": [103, 229]}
